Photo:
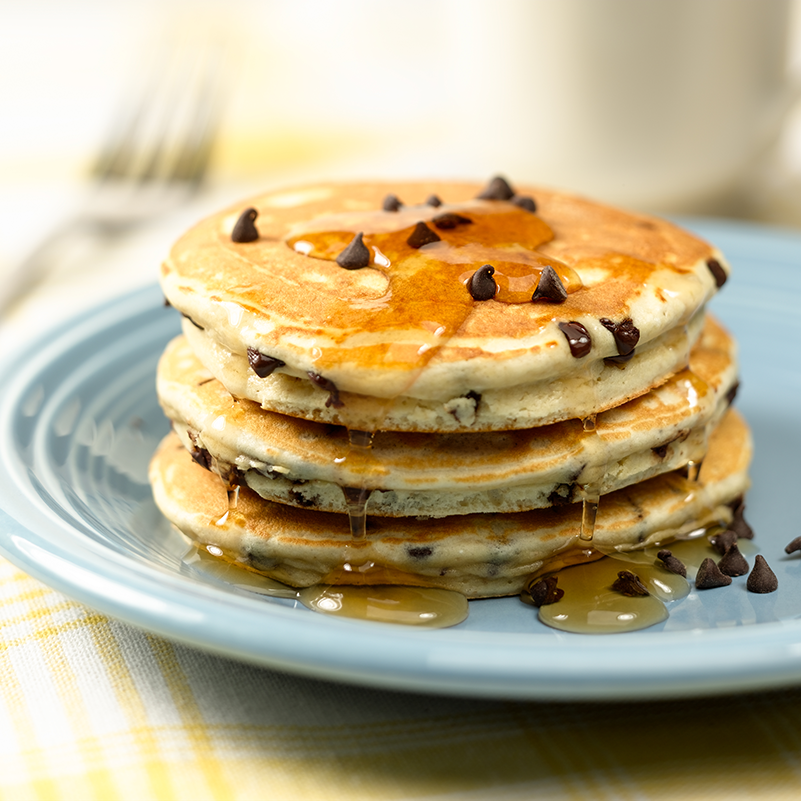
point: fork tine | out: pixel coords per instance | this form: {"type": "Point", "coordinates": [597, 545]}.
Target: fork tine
{"type": "Point", "coordinates": [117, 153]}
{"type": "Point", "coordinates": [170, 133]}
{"type": "Point", "coordinates": [190, 161]}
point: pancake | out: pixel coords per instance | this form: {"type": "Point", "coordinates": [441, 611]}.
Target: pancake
{"type": "Point", "coordinates": [479, 555]}
{"type": "Point", "coordinates": [403, 341]}
{"type": "Point", "coordinates": [303, 463]}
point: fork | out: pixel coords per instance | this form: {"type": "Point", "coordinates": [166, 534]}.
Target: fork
{"type": "Point", "coordinates": [154, 158]}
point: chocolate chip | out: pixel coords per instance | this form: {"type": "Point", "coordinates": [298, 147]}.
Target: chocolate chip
{"type": "Point", "coordinates": [709, 576]}
{"type": "Point", "coordinates": [262, 364]}
{"type": "Point", "coordinates": [549, 287]}
{"type": "Point", "coordinates": [433, 200]}
{"type": "Point", "coordinates": [619, 360]}
{"type": "Point", "coordinates": [738, 524]}
{"type": "Point", "coordinates": [497, 189]}
{"type": "Point", "coordinates": [723, 540]}
{"type": "Point", "coordinates": [661, 450]}
{"type": "Point", "coordinates": [672, 563]}
{"type": "Point", "coordinates": [167, 303]}
{"type": "Point", "coordinates": [525, 202]}
{"type": "Point", "coordinates": [482, 285]}
{"type": "Point", "coordinates": [562, 494]}
{"type": "Point", "coordinates": [450, 220]}
{"type": "Point", "coordinates": [192, 321]}
{"type": "Point", "coordinates": [420, 552]}
{"type": "Point", "coordinates": [761, 579]}
{"type": "Point", "coordinates": [718, 273]}
{"type": "Point", "coordinates": [201, 456]}
{"type": "Point", "coordinates": [422, 235]}
{"type": "Point", "coordinates": [626, 334]}
{"type": "Point", "coordinates": [328, 386]}
{"type": "Point", "coordinates": [391, 203]}
{"type": "Point", "coordinates": [244, 229]}
{"type": "Point", "coordinates": [629, 584]}
{"type": "Point", "coordinates": [793, 545]}
{"type": "Point", "coordinates": [733, 562]}
{"type": "Point", "coordinates": [732, 393]}
{"type": "Point", "coordinates": [578, 337]}
{"type": "Point", "coordinates": [356, 255]}
{"type": "Point", "coordinates": [543, 592]}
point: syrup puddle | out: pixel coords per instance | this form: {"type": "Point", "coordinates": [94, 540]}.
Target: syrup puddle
{"type": "Point", "coordinates": [408, 606]}
{"type": "Point", "coordinates": [591, 606]}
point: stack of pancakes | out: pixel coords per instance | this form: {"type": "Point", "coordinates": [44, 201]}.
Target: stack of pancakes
{"type": "Point", "coordinates": [474, 366]}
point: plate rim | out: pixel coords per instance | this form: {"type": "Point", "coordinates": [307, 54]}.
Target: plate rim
{"type": "Point", "coordinates": [441, 663]}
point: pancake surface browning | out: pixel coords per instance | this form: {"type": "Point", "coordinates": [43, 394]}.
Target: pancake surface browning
{"type": "Point", "coordinates": [403, 341]}
{"type": "Point", "coordinates": [470, 365]}
{"type": "Point", "coordinates": [296, 461]}
{"type": "Point", "coordinates": [480, 555]}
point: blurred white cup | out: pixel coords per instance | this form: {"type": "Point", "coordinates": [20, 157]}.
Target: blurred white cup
{"type": "Point", "coordinates": [660, 104]}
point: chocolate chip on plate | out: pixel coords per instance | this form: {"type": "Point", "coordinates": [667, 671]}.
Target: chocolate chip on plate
{"type": "Point", "coordinates": [709, 576]}
{"type": "Point", "coordinates": [761, 579]}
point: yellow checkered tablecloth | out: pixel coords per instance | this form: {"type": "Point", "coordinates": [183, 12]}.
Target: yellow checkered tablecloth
{"type": "Point", "coordinates": [93, 709]}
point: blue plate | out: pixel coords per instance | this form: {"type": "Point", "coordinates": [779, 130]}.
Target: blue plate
{"type": "Point", "coordinates": [79, 420]}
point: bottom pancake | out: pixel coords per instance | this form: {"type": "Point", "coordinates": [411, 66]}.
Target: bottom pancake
{"type": "Point", "coordinates": [479, 555]}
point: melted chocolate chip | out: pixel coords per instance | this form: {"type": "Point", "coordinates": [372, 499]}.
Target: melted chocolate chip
{"type": "Point", "coordinates": [200, 456]}
{"type": "Point", "coordinates": [672, 563]}
{"type": "Point", "coordinates": [450, 220]}
{"type": "Point", "coordinates": [619, 360]}
{"type": "Point", "coordinates": [244, 229]}
{"type": "Point", "coordinates": [525, 202]}
{"type": "Point", "coordinates": [793, 546]}
{"type": "Point", "coordinates": [626, 334]}
{"type": "Point", "coordinates": [497, 189]}
{"type": "Point", "coordinates": [549, 287]}
{"type": "Point", "coordinates": [433, 200]}
{"type": "Point", "coordinates": [629, 584]}
{"type": "Point", "coordinates": [262, 364]}
{"type": "Point", "coordinates": [738, 524]}
{"type": "Point", "coordinates": [356, 255]}
{"type": "Point", "coordinates": [482, 285]}
{"type": "Point", "coordinates": [420, 552]}
{"type": "Point", "coordinates": [732, 393]}
{"type": "Point", "coordinates": [329, 386]}
{"type": "Point", "coordinates": [733, 562]}
{"type": "Point", "coordinates": [661, 450]}
{"type": "Point", "coordinates": [543, 592]}
{"type": "Point", "coordinates": [562, 495]}
{"type": "Point", "coordinates": [762, 579]}
{"type": "Point", "coordinates": [192, 321]}
{"type": "Point", "coordinates": [722, 541]}
{"type": "Point", "coordinates": [391, 203]}
{"type": "Point", "coordinates": [709, 576]}
{"type": "Point", "coordinates": [167, 303]}
{"type": "Point", "coordinates": [422, 235]}
{"type": "Point", "coordinates": [718, 273]}
{"type": "Point", "coordinates": [578, 337]}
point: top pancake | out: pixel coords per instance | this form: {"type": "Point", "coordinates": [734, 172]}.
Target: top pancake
{"type": "Point", "coordinates": [407, 325]}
